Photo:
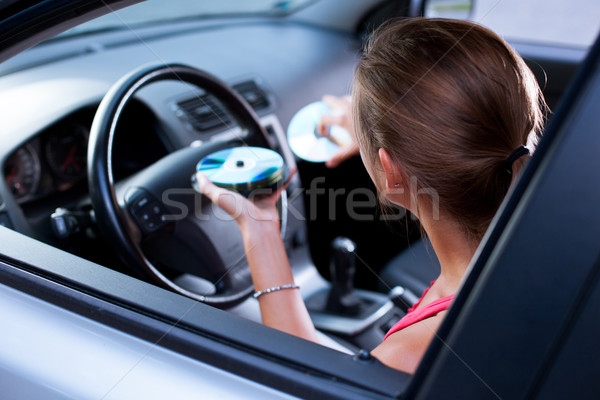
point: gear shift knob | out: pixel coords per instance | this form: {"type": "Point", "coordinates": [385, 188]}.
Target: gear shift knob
{"type": "Point", "coordinates": [343, 267]}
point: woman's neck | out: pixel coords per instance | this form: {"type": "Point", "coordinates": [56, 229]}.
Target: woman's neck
{"type": "Point", "coordinates": [454, 251]}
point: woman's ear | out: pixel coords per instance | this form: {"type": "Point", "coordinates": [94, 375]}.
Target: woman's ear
{"type": "Point", "coordinates": [393, 174]}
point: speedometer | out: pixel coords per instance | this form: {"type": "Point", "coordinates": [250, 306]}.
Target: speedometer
{"type": "Point", "coordinates": [22, 173]}
{"type": "Point", "coordinates": [66, 151]}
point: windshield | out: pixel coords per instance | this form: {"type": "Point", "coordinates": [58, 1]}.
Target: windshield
{"type": "Point", "coordinates": [158, 11]}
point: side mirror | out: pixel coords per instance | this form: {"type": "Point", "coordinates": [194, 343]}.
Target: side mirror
{"type": "Point", "coordinates": [457, 9]}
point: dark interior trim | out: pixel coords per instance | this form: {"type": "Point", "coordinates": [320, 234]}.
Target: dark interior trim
{"type": "Point", "coordinates": [43, 19]}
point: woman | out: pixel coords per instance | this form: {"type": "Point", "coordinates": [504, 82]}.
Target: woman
{"type": "Point", "coordinates": [444, 115]}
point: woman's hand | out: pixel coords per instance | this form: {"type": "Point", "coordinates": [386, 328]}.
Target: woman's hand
{"type": "Point", "coordinates": [260, 207]}
{"type": "Point", "coordinates": [258, 220]}
{"type": "Point", "coordinates": [341, 115]}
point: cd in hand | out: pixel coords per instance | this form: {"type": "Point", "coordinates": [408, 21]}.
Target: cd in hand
{"type": "Point", "coordinates": [244, 169]}
{"type": "Point", "coordinates": [306, 142]}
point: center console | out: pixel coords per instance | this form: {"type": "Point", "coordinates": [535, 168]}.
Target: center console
{"type": "Point", "coordinates": [358, 317]}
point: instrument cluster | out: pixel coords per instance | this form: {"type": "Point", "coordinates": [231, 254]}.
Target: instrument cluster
{"type": "Point", "coordinates": [54, 161]}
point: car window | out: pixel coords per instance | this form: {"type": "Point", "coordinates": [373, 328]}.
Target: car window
{"type": "Point", "coordinates": [555, 22]}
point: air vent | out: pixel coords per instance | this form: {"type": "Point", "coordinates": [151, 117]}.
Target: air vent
{"type": "Point", "coordinates": [253, 94]}
{"type": "Point", "coordinates": [206, 113]}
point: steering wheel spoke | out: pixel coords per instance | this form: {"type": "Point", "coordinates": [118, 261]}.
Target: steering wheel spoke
{"type": "Point", "coordinates": [146, 210]}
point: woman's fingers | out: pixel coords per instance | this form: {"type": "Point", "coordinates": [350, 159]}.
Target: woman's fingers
{"type": "Point", "coordinates": [337, 103]}
{"type": "Point", "coordinates": [330, 119]}
{"type": "Point", "coordinates": [292, 173]}
{"type": "Point", "coordinates": [342, 155]}
{"type": "Point", "coordinates": [229, 201]}
{"type": "Point", "coordinates": [259, 206]}
{"type": "Point", "coordinates": [286, 183]}
{"type": "Point", "coordinates": [341, 115]}
{"type": "Point", "coordinates": [205, 185]}
{"type": "Point", "coordinates": [269, 197]}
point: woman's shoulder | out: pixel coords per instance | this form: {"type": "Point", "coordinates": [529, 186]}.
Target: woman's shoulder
{"type": "Point", "coordinates": [404, 349]}
{"type": "Point", "coordinates": [425, 308]}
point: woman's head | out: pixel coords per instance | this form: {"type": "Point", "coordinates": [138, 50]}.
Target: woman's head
{"type": "Point", "coordinates": [448, 101]}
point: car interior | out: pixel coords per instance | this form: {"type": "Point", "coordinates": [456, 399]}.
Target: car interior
{"type": "Point", "coordinates": [106, 127]}
{"type": "Point", "coordinates": [57, 187]}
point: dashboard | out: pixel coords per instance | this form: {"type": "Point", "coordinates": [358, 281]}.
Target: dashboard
{"type": "Point", "coordinates": [55, 160]}
{"type": "Point", "coordinates": [54, 89]}
{"type": "Point", "coordinates": [50, 169]}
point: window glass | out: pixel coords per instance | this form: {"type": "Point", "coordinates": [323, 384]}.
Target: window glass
{"type": "Point", "coordinates": [156, 11]}
{"type": "Point", "coordinates": [574, 23]}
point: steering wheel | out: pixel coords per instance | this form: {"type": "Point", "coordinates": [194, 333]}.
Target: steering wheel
{"type": "Point", "coordinates": [158, 224]}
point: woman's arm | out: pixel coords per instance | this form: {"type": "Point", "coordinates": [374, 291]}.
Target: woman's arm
{"type": "Point", "coordinates": [284, 309]}
{"type": "Point", "coordinates": [258, 221]}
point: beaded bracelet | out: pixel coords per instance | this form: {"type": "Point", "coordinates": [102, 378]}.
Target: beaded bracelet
{"type": "Point", "coordinates": [274, 289]}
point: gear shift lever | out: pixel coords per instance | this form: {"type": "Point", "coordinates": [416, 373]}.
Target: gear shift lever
{"type": "Point", "coordinates": [342, 299]}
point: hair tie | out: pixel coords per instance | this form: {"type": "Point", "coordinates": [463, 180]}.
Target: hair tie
{"type": "Point", "coordinates": [514, 156]}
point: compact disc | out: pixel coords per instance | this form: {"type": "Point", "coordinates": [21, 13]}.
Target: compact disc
{"type": "Point", "coordinates": [306, 142]}
{"type": "Point", "coordinates": [243, 169]}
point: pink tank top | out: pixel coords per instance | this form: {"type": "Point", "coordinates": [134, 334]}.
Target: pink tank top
{"type": "Point", "coordinates": [413, 315]}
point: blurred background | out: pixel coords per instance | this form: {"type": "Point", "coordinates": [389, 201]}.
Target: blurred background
{"type": "Point", "coordinates": [573, 23]}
